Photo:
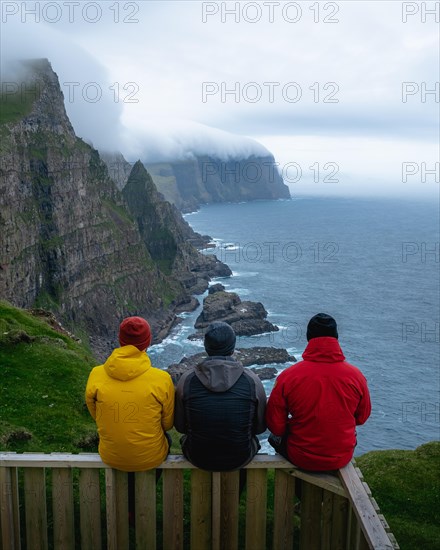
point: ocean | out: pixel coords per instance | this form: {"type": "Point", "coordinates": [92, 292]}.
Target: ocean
{"type": "Point", "coordinates": [373, 264]}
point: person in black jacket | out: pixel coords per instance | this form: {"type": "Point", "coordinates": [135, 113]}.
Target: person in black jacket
{"type": "Point", "coordinates": [220, 406]}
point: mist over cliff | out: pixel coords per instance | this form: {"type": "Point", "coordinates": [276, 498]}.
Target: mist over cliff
{"type": "Point", "coordinates": [69, 242]}
{"type": "Point", "coordinates": [202, 179]}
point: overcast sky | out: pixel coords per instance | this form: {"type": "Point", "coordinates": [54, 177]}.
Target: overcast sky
{"type": "Point", "coordinates": [337, 91]}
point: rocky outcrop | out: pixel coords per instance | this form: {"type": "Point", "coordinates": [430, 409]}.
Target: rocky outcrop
{"type": "Point", "coordinates": [246, 318]}
{"type": "Point", "coordinates": [118, 167]}
{"type": "Point", "coordinates": [204, 179]}
{"type": "Point", "coordinates": [247, 356]}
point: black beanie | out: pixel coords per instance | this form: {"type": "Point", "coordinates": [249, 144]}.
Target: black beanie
{"type": "Point", "coordinates": [321, 324]}
{"type": "Point", "coordinates": [219, 339]}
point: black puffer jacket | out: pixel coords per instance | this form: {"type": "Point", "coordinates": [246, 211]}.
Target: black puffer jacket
{"type": "Point", "coordinates": [220, 406]}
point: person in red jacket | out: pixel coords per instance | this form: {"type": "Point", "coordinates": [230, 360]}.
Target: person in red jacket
{"type": "Point", "coordinates": [316, 404]}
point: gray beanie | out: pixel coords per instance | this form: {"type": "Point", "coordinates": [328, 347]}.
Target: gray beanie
{"type": "Point", "coordinates": [219, 339]}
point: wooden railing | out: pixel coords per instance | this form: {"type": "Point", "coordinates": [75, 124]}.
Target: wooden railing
{"type": "Point", "coordinates": [65, 501]}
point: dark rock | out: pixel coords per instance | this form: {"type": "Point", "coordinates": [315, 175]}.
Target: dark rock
{"type": "Point", "coordinates": [246, 318]}
{"type": "Point", "coordinates": [216, 288]}
{"type": "Point", "coordinates": [189, 304]}
{"type": "Point", "coordinates": [265, 373]}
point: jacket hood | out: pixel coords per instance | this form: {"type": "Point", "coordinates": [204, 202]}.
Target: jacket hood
{"type": "Point", "coordinates": [218, 374]}
{"type": "Point", "coordinates": [323, 349]}
{"type": "Point", "coordinates": [126, 363]}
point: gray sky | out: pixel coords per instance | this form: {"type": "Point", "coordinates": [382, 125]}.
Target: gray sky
{"type": "Point", "coordinates": [337, 91]}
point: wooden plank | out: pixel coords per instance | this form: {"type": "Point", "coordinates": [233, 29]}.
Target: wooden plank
{"type": "Point", "coordinates": [284, 505]}
{"type": "Point", "coordinates": [173, 509]}
{"type": "Point", "coordinates": [121, 486]}
{"type": "Point", "coordinates": [352, 524]}
{"type": "Point", "coordinates": [145, 509]}
{"type": "Point", "coordinates": [110, 506]}
{"type": "Point", "coordinates": [371, 526]}
{"type": "Point", "coordinates": [216, 510]}
{"type": "Point", "coordinates": [35, 508]}
{"type": "Point", "coordinates": [90, 508]}
{"type": "Point", "coordinates": [393, 541]}
{"type": "Point", "coordinates": [93, 460]}
{"type": "Point", "coordinates": [327, 518]}
{"type": "Point", "coordinates": [16, 507]}
{"type": "Point", "coordinates": [10, 533]}
{"type": "Point", "coordinates": [201, 509]}
{"type": "Point", "coordinates": [256, 509]}
{"type": "Point", "coordinates": [229, 495]}
{"type": "Point", "coordinates": [62, 506]}
{"type": "Point", "coordinates": [341, 510]}
{"type": "Point", "coordinates": [329, 482]}
{"type": "Point", "coordinates": [384, 522]}
{"type": "Point", "coordinates": [311, 508]}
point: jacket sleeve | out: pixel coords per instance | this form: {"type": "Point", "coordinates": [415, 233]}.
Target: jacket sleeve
{"type": "Point", "coordinates": [179, 409]}
{"type": "Point", "coordinates": [363, 410]}
{"type": "Point", "coordinates": [276, 411]}
{"type": "Point", "coordinates": [90, 395]}
{"type": "Point", "coordinates": [260, 414]}
{"type": "Point", "coordinates": [168, 405]}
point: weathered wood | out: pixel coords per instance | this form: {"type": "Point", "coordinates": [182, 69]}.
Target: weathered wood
{"type": "Point", "coordinates": [329, 482]}
{"type": "Point", "coordinates": [393, 541]}
{"type": "Point", "coordinates": [224, 505]}
{"type": "Point", "coordinates": [9, 510]}
{"type": "Point", "coordinates": [256, 509]}
{"type": "Point", "coordinates": [121, 479]}
{"type": "Point", "coordinates": [311, 503]}
{"type": "Point", "coordinates": [145, 509]}
{"type": "Point", "coordinates": [173, 509]}
{"type": "Point", "coordinates": [326, 523]}
{"type": "Point", "coordinates": [371, 526]}
{"type": "Point", "coordinates": [90, 508]}
{"type": "Point", "coordinates": [229, 494]}
{"type": "Point", "coordinates": [93, 460]}
{"type": "Point", "coordinates": [110, 507]}
{"type": "Point", "coordinates": [201, 509]}
{"type": "Point", "coordinates": [62, 505]}
{"type": "Point", "coordinates": [283, 509]}
{"type": "Point", "coordinates": [216, 510]}
{"type": "Point", "coordinates": [352, 522]}
{"type": "Point", "coordinates": [35, 508]}
{"type": "Point", "coordinates": [340, 522]}
{"type": "Point", "coordinates": [384, 522]}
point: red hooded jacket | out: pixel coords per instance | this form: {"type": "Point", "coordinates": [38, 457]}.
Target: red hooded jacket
{"type": "Point", "coordinates": [317, 403]}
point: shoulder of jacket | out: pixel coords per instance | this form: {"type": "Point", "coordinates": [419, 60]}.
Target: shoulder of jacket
{"type": "Point", "coordinates": [158, 373]}
{"type": "Point", "coordinates": [185, 376]}
{"type": "Point", "coordinates": [252, 375]}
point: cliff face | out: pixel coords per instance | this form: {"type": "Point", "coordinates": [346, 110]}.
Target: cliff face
{"type": "Point", "coordinates": [205, 179]}
{"type": "Point", "coordinates": [167, 235]}
{"type": "Point", "coordinates": [67, 240]}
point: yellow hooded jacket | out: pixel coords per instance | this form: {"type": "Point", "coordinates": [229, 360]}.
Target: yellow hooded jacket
{"type": "Point", "coordinates": [133, 405]}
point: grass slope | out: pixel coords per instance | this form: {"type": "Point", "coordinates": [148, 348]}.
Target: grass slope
{"type": "Point", "coordinates": [43, 375]}
{"type": "Point", "coordinates": [406, 485]}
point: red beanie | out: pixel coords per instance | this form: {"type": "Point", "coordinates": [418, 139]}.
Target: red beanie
{"type": "Point", "coordinates": [135, 331]}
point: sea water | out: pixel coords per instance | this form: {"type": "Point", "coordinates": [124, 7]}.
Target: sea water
{"type": "Point", "coordinates": [373, 264]}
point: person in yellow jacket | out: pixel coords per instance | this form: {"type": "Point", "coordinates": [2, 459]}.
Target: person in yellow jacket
{"type": "Point", "coordinates": [131, 402]}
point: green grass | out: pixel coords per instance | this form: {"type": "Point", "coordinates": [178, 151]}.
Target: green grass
{"type": "Point", "coordinates": [17, 104]}
{"type": "Point", "coordinates": [406, 485]}
{"type": "Point", "coordinates": [43, 376]}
